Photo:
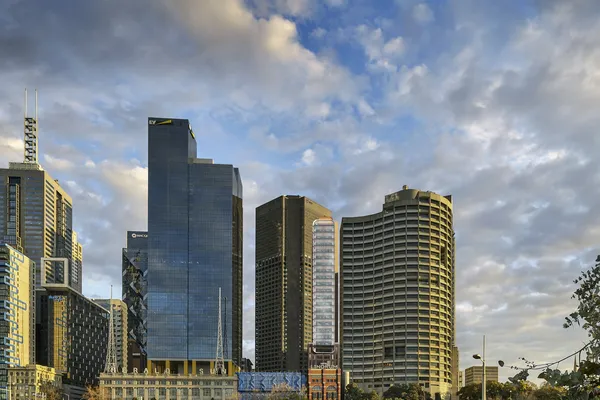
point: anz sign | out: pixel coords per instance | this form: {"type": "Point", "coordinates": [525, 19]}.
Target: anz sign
{"type": "Point", "coordinates": [158, 122]}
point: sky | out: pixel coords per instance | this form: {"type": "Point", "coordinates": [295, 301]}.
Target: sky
{"type": "Point", "coordinates": [343, 101]}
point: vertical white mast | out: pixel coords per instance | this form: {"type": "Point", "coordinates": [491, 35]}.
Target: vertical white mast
{"type": "Point", "coordinates": [111, 353]}
{"type": "Point", "coordinates": [219, 360]}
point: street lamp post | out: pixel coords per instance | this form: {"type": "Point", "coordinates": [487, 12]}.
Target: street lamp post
{"type": "Point", "coordinates": [483, 383]}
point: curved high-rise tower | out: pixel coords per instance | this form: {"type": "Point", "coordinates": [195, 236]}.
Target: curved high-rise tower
{"type": "Point", "coordinates": [397, 271]}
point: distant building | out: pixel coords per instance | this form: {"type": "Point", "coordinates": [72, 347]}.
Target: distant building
{"type": "Point", "coordinates": [119, 310]}
{"type": "Point", "coordinates": [195, 247]}
{"type": "Point", "coordinates": [397, 270]}
{"type": "Point", "coordinates": [17, 325]}
{"type": "Point", "coordinates": [246, 365]}
{"type": "Point", "coordinates": [71, 335]}
{"type": "Point", "coordinates": [25, 382]}
{"type": "Point", "coordinates": [455, 373]}
{"type": "Point", "coordinates": [168, 386]}
{"type": "Point", "coordinates": [259, 385]}
{"type": "Point", "coordinates": [77, 267]}
{"type": "Point", "coordinates": [474, 375]}
{"type": "Point", "coordinates": [284, 272]}
{"type": "Point", "coordinates": [461, 380]}
{"type": "Point", "coordinates": [135, 295]}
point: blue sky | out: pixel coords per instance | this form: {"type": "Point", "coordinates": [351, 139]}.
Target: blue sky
{"type": "Point", "coordinates": [344, 101]}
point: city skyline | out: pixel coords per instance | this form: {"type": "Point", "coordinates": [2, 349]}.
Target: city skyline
{"type": "Point", "coordinates": [453, 108]}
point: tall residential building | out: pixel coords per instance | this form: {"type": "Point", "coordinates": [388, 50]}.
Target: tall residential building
{"type": "Point", "coordinates": [71, 335]}
{"type": "Point", "coordinates": [135, 296]}
{"type": "Point", "coordinates": [397, 271]}
{"type": "Point", "coordinates": [36, 214]}
{"type": "Point", "coordinates": [77, 267]}
{"type": "Point", "coordinates": [284, 287]}
{"type": "Point", "coordinates": [195, 247]}
{"type": "Point", "coordinates": [17, 324]}
{"type": "Point", "coordinates": [474, 375]}
{"type": "Point", "coordinates": [119, 310]}
{"type": "Point", "coordinates": [37, 218]}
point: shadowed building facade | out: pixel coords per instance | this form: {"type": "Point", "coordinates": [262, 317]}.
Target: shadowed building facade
{"type": "Point", "coordinates": [284, 295]}
{"type": "Point", "coordinates": [135, 297]}
{"type": "Point", "coordinates": [397, 271]}
{"type": "Point", "coordinates": [194, 248]}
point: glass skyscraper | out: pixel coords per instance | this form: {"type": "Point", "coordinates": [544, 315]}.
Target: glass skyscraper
{"type": "Point", "coordinates": [194, 248]}
{"type": "Point", "coordinates": [324, 274]}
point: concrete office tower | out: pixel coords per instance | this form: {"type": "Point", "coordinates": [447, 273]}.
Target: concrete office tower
{"type": "Point", "coordinates": [72, 335]}
{"type": "Point", "coordinates": [17, 325]}
{"type": "Point", "coordinates": [397, 271]}
{"type": "Point", "coordinates": [474, 375]}
{"type": "Point", "coordinates": [194, 248]}
{"type": "Point", "coordinates": [77, 260]}
{"type": "Point", "coordinates": [284, 251]}
{"type": "Point", "coordinates": [120, 329]}
{"type": "Point", "coordinates": [135, 295]}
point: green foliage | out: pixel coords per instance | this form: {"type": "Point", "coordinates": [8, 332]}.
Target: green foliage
{"type": "Point", "coordinates": [353, 392]}
{"type": "Point", "coordinates": [404, 391]}
{"type": "Point", "coordinates": [51, 391]}
{"type": "Point", "coordinates": [499, 391]}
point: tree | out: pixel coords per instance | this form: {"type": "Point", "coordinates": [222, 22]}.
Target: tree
{"type": "Point", "coordinates": [405, 391]}
{"type": "Point", "coordinates": [51, 391]}
{"type": "Point", "coordinates": [549, 392]}
{"type": "Point", "coordinates": [581, 384]}
{"type": "Point", "coordinates": [353, 392]}
{"type": "Point", "coordinates": [94, 393]}
{"type": "Point", "coordinates": [285, 392]}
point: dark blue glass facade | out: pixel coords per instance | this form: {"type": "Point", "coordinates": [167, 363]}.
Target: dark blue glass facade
{"type": "Point", "coordinates": [194, 248]}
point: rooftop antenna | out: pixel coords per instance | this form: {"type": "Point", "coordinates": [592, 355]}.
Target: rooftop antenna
{"type": "Point", "coordinates": [31, 133]}
{"type": "Point", "coordinates": [111, 354]}
{"type": "Point", "coordinates": [219, 361]}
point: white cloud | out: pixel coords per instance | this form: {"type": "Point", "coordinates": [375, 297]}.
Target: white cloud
{"type": "Point", "coordinates": [422, 13]}
{"type": "Point", "coordinates": [383, 55]}
{"type": "Point", "coordinates": [308, 157]}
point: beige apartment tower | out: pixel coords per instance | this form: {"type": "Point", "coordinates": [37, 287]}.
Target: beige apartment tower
{"type": "Point", "coordinates": [284, 314]}
{"type": "Point", "coordinates": [397, 270]}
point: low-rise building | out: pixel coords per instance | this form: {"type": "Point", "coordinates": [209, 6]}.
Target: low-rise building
{"type": "Point", "coordinates": [475, 375]}
{"type": "Point", "coordinates": [324, 384]}
{"type": "Point", "coordinates": [166, 386]}
{"type": "Point", "coordinates": [26, 382]}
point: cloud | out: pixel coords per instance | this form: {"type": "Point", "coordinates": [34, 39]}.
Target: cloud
{"type": "Point", "coordinates": [422, 13]}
